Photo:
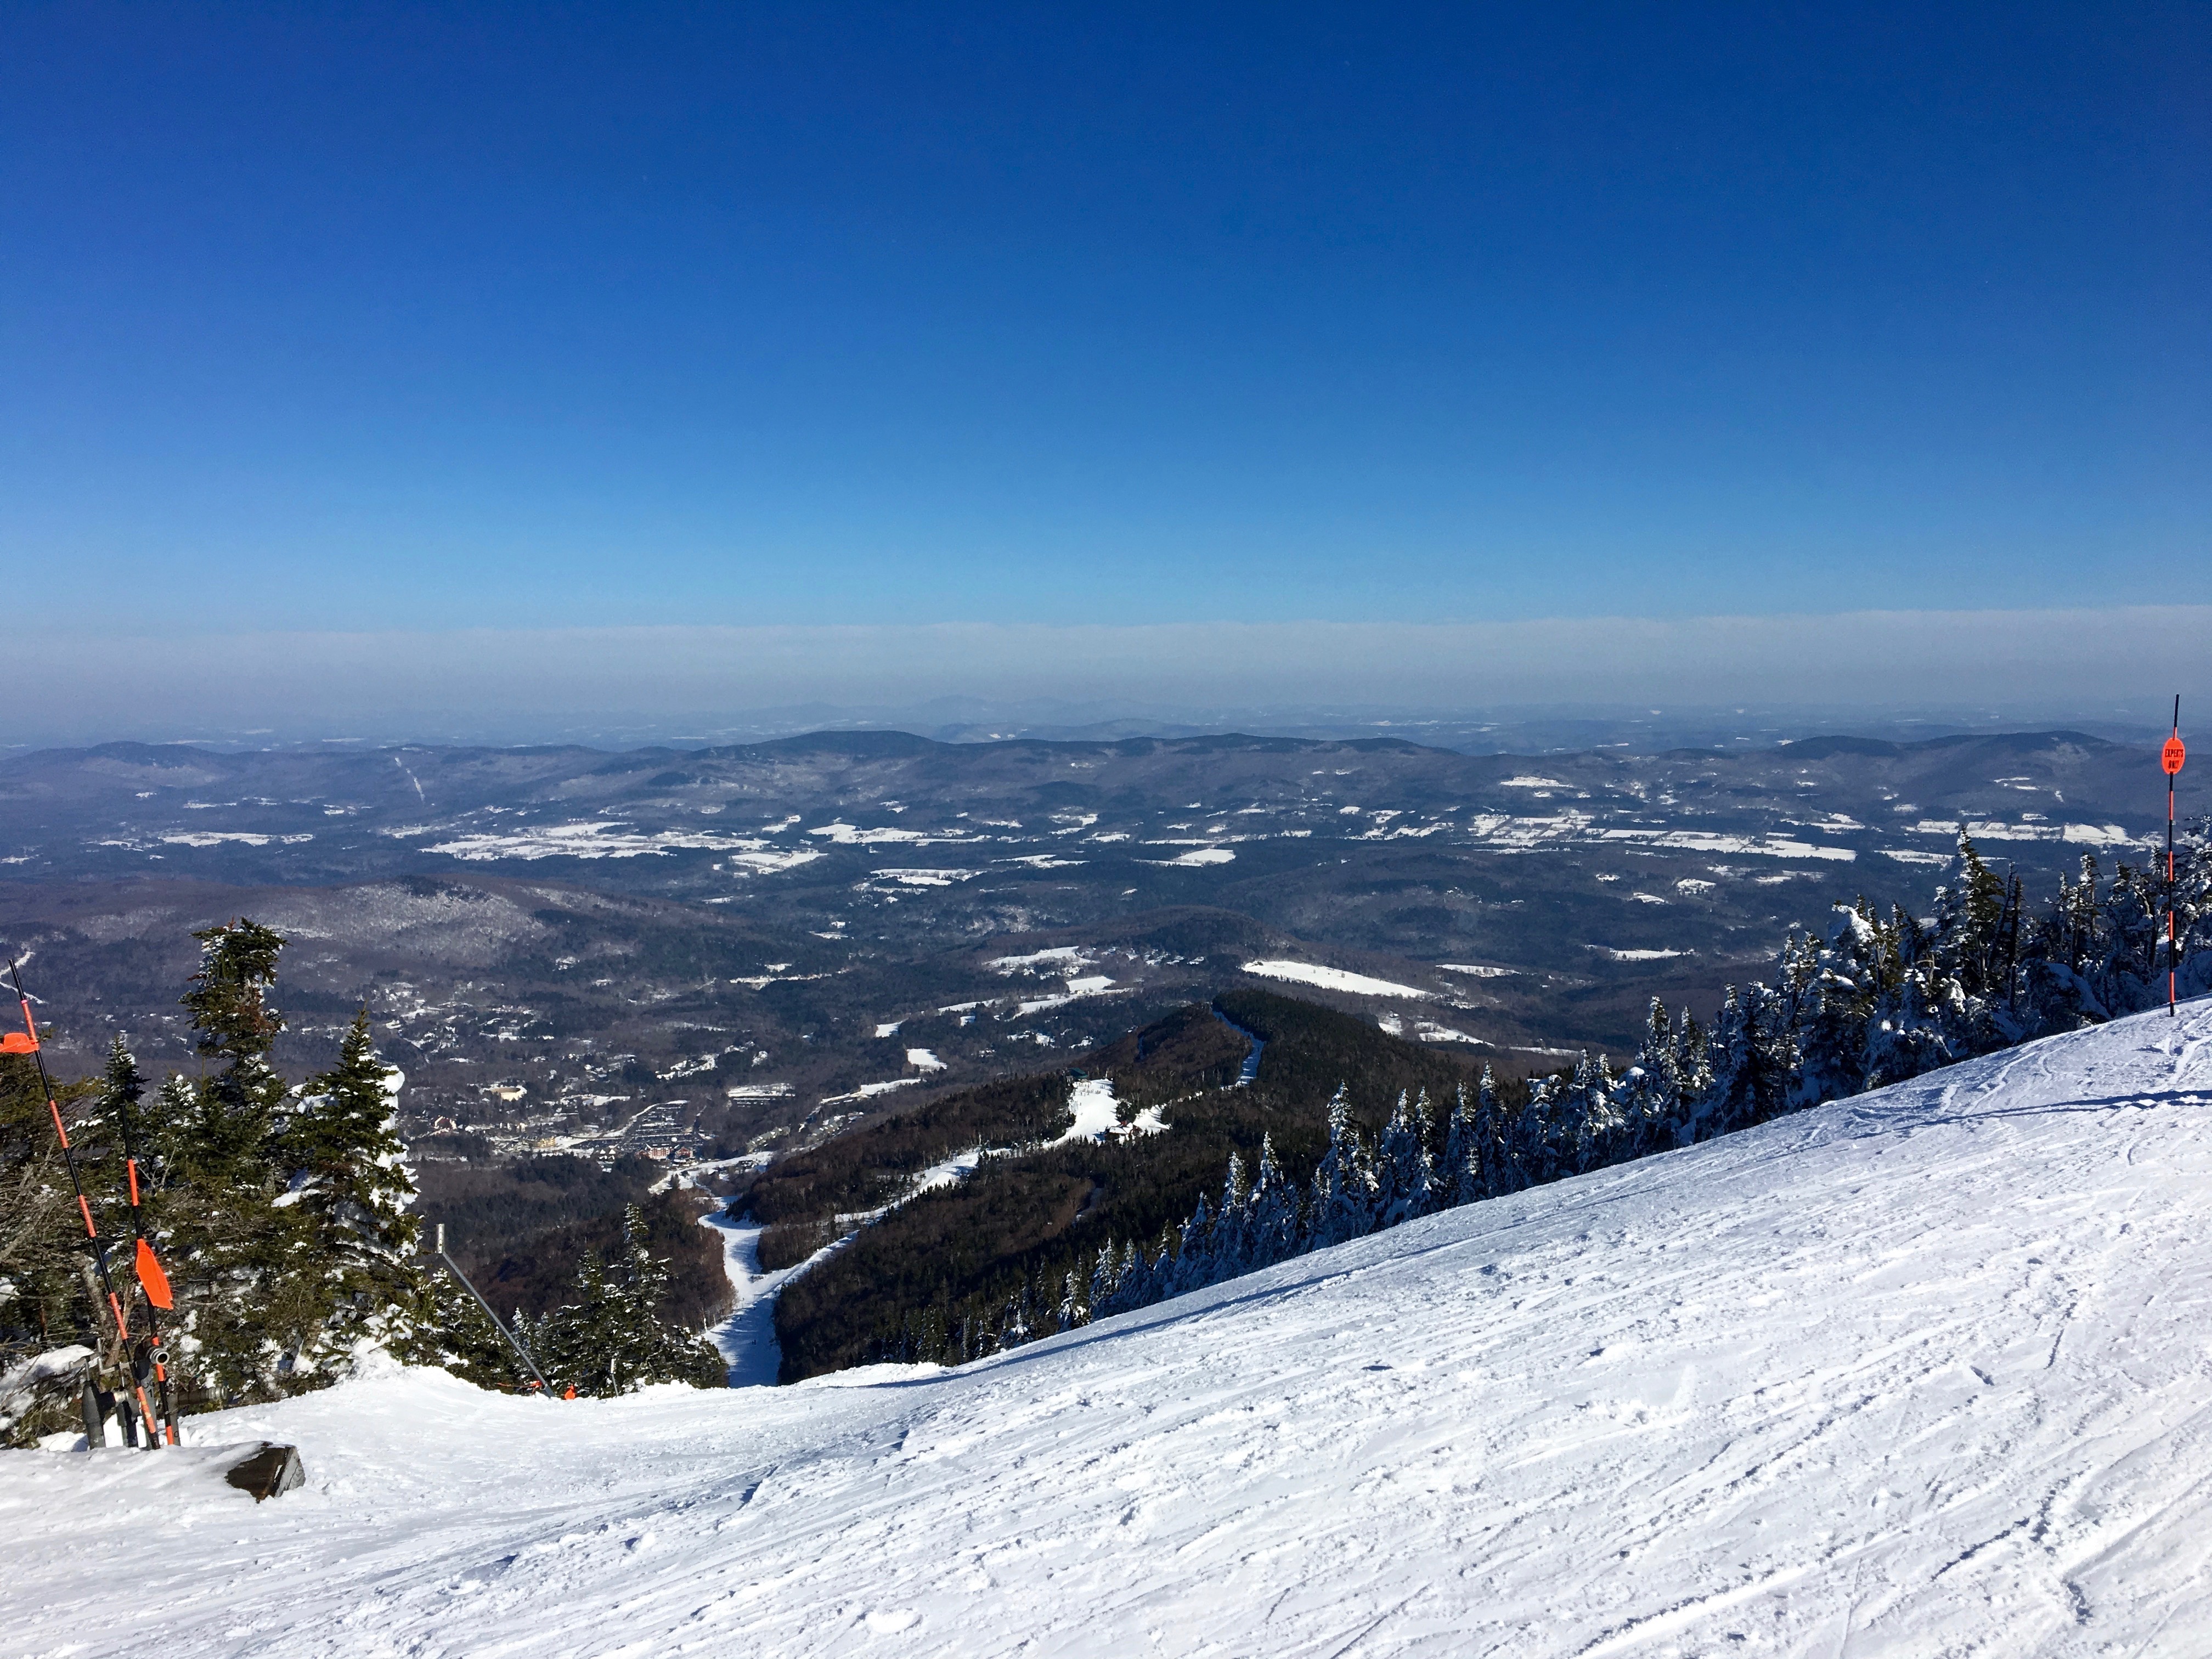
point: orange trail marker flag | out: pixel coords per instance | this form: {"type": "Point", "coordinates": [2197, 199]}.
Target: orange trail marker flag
{"type": "Point", "coordinates": [152, 1279]}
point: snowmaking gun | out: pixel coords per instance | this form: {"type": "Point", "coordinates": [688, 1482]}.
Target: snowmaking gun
{"type": "Point", "coordinates": [512, 1341]}
{"type": "Point", "coordinates": [145, 1364]}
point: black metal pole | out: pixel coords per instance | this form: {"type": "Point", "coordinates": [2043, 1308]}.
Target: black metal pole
{"type": "Point", "coordinates": [157, 1355]}
{"type": "Point", "coordinates": [69, 1157]}
{"type": "Point", "coordinates": [2171, 932]}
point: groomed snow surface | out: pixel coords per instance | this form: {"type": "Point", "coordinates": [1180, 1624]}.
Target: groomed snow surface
{"type": "Point", "coordinates": [1926, 1373]}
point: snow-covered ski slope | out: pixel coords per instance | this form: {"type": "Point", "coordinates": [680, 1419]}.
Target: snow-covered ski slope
{"type": "Point", "coordinates": [1927, 1372]}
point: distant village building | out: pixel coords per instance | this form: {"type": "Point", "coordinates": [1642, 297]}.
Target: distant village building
{"type": "Point", "coordinates": [444, 1126]}
{"type": "Point", "coordinates": [509, 1092]}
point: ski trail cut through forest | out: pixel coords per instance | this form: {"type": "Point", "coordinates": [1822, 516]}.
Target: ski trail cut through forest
{"type": "Point", "coordinates": [746, 1339]}
{"type": "Point", "coordinates": [1250, 1069]}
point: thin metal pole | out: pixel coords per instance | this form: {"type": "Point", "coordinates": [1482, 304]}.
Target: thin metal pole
{"type": "Point", "coordinates": [84, 1208]}
{"type": "Point", "coordinates": [157, 1352]}
{"type": "Point", "coordinates": [2172, 934]}
{"type": "Point", "coordinates": [512, 1341]}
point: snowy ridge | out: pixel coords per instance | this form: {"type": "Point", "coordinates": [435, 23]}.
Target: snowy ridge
{"type": "Point", "coordinates": [1922, 1372]}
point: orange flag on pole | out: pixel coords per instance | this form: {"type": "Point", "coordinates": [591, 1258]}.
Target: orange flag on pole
{"type": "Point", "coordinates": [152, 1278]}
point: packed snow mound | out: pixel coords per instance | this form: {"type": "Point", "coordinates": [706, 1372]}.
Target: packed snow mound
{"type": "Point", "coordinates": [1923, 1372]}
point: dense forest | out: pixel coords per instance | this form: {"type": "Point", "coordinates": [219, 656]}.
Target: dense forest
{"type": "Point", "coordinates": [937, 1277]}
{"type": "Point", "coordinates": [1880, 1000]}
{"type": "Point", "coordinates": [1346, 1132]}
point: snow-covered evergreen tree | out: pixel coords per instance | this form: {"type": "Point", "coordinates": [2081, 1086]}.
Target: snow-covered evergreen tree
{"type": "Point", "coordinates": [1274, 1233]}
{"type": "Point", "coordinates": [1493, 1135]}
{"type": "Point", "coordinates": [1593, 1126]}
{"type": "Point", "coordinates": [581, 1344]}
{"type": "Point", "coordinates": [348, 1179]}
{"type": "Point", "coordinates": [1343, 1189]}
{"type": "Point", "coordinates": [250, 1288]}
{"type": "Point", "coordinates": [609, 1338]}
{"type": "Point", "coordinates": [1073, 1308]}
{"type": "Point", "coordinates": [459, 1338]}
{"type": "Point", "coordinates": [1970, 913]}
{"type": "Point", "coordinates": [1106, 1279]}
{"type": "Point", "coordinates": [1531, 1140]}
{"type": "Point", "coordinates": [1232, 1225]}
{"type": "Point", "coordinates": [1459, 1179]}
{"type": "Point", "coordinates": [1404, 1173]}
{"type": "Point", "coordinates": [1193, 1256]}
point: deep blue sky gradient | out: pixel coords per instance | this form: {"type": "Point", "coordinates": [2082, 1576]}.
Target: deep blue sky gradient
{"type": "Point", "coordinates": [426, 316]}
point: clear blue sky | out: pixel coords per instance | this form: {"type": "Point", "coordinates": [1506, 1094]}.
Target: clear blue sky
{"type": "Point", "coordinates": [381, 316]}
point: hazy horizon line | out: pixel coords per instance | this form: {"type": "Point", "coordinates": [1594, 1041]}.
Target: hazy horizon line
{"type": "Point", "coordinates": [2052, 666]}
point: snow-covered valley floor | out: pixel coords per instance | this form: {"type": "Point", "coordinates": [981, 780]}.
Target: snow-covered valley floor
{"type": "Point", "coordinates": [1928, 1372]}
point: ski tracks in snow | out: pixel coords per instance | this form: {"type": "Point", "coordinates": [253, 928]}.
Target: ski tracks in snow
{"type": "Point", "coordinates": [1920, 1373]}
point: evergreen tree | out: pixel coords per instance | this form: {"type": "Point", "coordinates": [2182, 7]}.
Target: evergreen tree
{"type": "Point", "coordinates": [1494, 1161]}
{"type": "Point", "coordinates": [1836, 1009]}
{"type": "Point", "coordinates": [1531, 1142]}
{"type": "Point", "coordinates": [235, 1027]}
{"type": "Point", "coordinates": [608, 1339]}
{"type": "Point", "coordinates": [47, 1304]}
{"type": "Point", "coordinates": [1194, 1256]}
{"type": "Point", "coordinates": [1232, 1226]}
{"type": "Point", "coordinates": [347, 1175]}
{"type": "Point", "coordinates": [1137, 1282]}
{"type": "Point", "coordinates": [1404, 1172]}
{"type": "Point", "coordinates": [1014, 1324]}
{"type": "Point", "coordinates": [1073, 1310]}
{"type": "Point", "coordinates": [1651, 1103]}
{"type": "Point", "coordinates": [1275, 1234]}
{"type": "Point", "coordinates": [1595, 1124]}
{"type": "Point", "coordinates": [1969, 916]}
{"type": "Point", "coordinates": [2135, 931]}
{"type": "Point", "coordinates": [250, 1287]}
{"type": "Point", "coordinates": [2191, 896]}
{"type": "Point", "coordinates": [1344, 1189]}
{"type": "Point", "coordinates": [582, 1345]}
{"type": "Point", "coordinates": [1106, 1279]}
{"type": "Point", "coordinates": [1903, 1040]}
{"type": "Point", "coordinates": [458, 1337]}
{"type": "Point", "coordinates": [1459, 1180]}
{"type": "Point", "coordinates": [660, 1353]}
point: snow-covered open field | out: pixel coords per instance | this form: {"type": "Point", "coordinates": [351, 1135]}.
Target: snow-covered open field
{"type": "Point", "coordinates": [1924, 1373]}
